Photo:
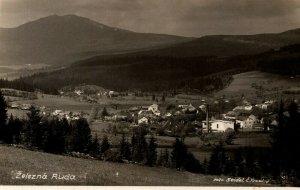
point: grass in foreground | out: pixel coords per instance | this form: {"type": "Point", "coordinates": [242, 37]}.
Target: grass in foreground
{"type": "Point", "coordinates": [93, 172]}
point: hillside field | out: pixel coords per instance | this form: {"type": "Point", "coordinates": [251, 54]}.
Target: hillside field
{"type": "Point", "coordinates": [92, 172]}
{"type": "Point", "coordinates": [249, 83]}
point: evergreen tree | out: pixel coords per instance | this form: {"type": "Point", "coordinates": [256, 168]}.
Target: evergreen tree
{"type": "Point", "coordinates": [251, 168]}
{"type": "Point", "coordinates": [153, 97]}
{"type": "Point", "coordinates": [3, 116]}
{"type": "Point", "coordinates": [95, 147]}
{"type": "Point", "coordinates": [192, 164]}
{"type": "Point", "coordinates": [293, 139]}
{"type": "Point", "coordinates": [133, 147]}
{"type": "Point", "coordinates": [139, 145]}
{"type": "Point", "coordinates": [17, 128]}
{"type": "Point", "coordinates": [239, 163]}
{"type": "Point", "coordinates": [217, 161]}
{"type": "Point", "coordinates": [165, 158]}
{"type": "Point", "coordinates": [55, 136]}
{"type": "Point", "coordinates": [104, 113]}
{"type": "Point", "coordinates": [34, 131]}
{"type": "Point", "coordinates": [124, 149]}
{"type": "Point", "coordinates": [8, 131]}
{"type": "Point", "coordinates": [104, 145]}
{"type": "Point", "coordinates": [160, 158]}
{"type": "Point", "coordinates": [81, 136]}
{"type": "Point", "coordinates": [151, 152]}
{"type": "Point", "coordinates": [263, 164]}
{"type": "Point", "coordinates": [179, 154]}
{"type": "Point", "coordinates": [279, 144]}
{"type": "Point", "coordinates": [229, 167]}
{"type": "Point", "coordinates": [163, 98]}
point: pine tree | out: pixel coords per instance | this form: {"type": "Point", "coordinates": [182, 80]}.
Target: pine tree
{"type": "Point", "coordinates": [34, 131]}
{"type": "Point", "coordinates": [293, 139]}
{"type": "Point", "coordinates": [229, 168]}
{"type": "Point", "coordinates": [8, 131]}
{"type": "Point", "coordinates": [250, 163]}
{"type": "Point", "coordinates": [3, 116]}
{"type": "Point", "coordinates": [124, 149]}
{"type": "Point", "coordinates": [17, 128]}
{"type": "Point", "coordinates": [239, 163]}
{"type": "Point", "coordinates": [179, 154]}
{"type": "Point", "coordinates": [104, 113]}
{"type": "Point", "coordinates": [153, 97]}
{"type": "Point", "coordinates": [81, 136]}
{"type": "Point", "coordinates": [139, 146]}
{"type": "Point", "coordinates": [217, 161]}
{"type": "Point", "coordinates": [104, 145]}
{"type": "Point", "coordinates": [192, 164]}
{"type": "Point", "coordinates": [95, 147]}
{"type": "Point", "coordinates": [279, 143]}
{"type": "Point", "coordinates": [164, 158]}
{"type": "Point", "coordinates": [151, 152]}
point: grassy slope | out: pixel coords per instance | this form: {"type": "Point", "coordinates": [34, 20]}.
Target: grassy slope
{"type": "Point", "coordinates": [271, 83]}
{"type": "Point", "coordinates": [98, 172]}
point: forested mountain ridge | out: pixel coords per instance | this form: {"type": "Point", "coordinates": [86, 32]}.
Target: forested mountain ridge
{"type": "Point", "coordinates": [56, 40]}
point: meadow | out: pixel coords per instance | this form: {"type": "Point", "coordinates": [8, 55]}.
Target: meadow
{"type": "Point", "coordinates": [256, 83]}
{"type": "Point", "coordinates": [94, 172]}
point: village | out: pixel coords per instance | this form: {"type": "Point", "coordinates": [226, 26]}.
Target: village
{"type": "Point", "coordinates": [164, 117]}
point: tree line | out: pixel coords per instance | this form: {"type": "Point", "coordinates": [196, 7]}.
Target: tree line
{"type": "Point", "coordinates": [20, 84]}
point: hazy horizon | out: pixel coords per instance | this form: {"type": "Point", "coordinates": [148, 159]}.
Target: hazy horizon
{"type": "Point", "coordinates": [192, 18]}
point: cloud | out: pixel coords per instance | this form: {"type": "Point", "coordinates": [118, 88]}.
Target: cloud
{"type": "Point", "coordinates": [243, 8]}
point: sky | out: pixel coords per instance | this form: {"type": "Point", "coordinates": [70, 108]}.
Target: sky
{"type": "Point", "coordinates": [178, 17]}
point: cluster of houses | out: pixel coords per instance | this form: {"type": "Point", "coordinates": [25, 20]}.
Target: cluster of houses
{"type": "Point", "coordinates": [242, 117]}
{"type": "Point", "coordinates": [15, 105]}
{"type": "Point", "coordinates": [66, 114]}
{"type": "Point", "coordinates": [108, 93]}
{"type": "Point", "coordinates": [60, 114]}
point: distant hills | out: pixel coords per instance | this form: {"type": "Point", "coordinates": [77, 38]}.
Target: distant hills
{"type": "Point", "coordinates": [120, 60]}
{"type": "Point", "coordinates": [59, 40]}
{"type": "Point", "coordinates": [166, 73]}
{"type": "Point", "coordinates": [229, 45]}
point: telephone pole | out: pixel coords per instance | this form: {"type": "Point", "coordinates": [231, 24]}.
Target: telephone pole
{"type": "Point", "coordinates": [207, 118]}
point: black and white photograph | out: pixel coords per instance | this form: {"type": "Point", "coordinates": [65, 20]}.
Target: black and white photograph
{"type": "Point", "coordinates": [172, 93]}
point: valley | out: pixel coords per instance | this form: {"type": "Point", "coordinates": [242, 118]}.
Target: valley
{"type": "Point", "coordinates": [117, 107]}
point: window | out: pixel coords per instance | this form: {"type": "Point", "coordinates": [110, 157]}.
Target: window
{"type": "Point", "coordinates": [217, 125]}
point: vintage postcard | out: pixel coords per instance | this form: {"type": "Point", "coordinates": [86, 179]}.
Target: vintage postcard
{"type": "Point", "coordinates": [150, 93]}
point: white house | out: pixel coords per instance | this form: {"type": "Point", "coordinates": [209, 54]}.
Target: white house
{"type": "Point", "coordinates": [113, 94]}
{"type": "Point", "coordinates": [247, 122]}
{"type": "Point", "coordinates": [143, 120]}
{"type": "Point", "coordinates": [25, 106]}
{"type": "Point", "coordinates": [230, 115]}
{"type": "Point", "coordinates": [218, 125]}
{"type": "Point", "coordinates": [57, 112]}
{"type": "Point", "coordinates": [78, 92]}
{"type": "Point", "coordinates": [247, 108]}
{"type": "Point", "coordinates": [154, 109]}
{"type": "Point", "coordinates": [188, 108]}
{"type": "Point", "coordinates": [14, 105]}
{"type": "Point", "coordinates": [168, 114]}
{"type": "Point", "coordinates": [183, 106]}
{"type": "Point", "coordinates": [203, 107]}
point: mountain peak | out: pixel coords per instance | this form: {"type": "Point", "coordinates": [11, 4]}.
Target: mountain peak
{"type": "Point", "coordinates": [66, 38]}
{"type": "Point", "coordinates": [70, 20]}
